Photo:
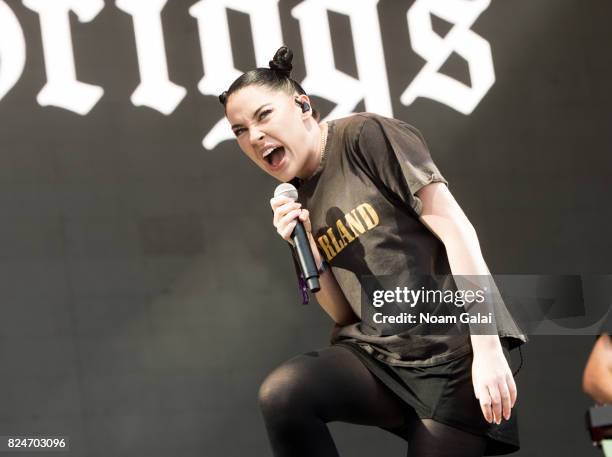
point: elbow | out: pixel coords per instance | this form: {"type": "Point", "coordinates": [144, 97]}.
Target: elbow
{"type": "Point", "coordinates": [467, 232]}
{"type": "Point", "coordinates": [593, 384]}
{"type": "Point", "coordinates": [459, 235]}
{"type": "Point", "coordinates": [593, 390]}
{"type": "Point", "coordinates": [597, 376]}
{"type": "Point", "coordinates": [587, 384]}
{"type": "Point", "coordinates": [346, 319]}
{"type": "Point", "coordinates": [462, 244]}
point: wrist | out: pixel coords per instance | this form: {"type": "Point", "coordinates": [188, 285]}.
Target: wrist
{"type": "Point", "coordinates": [322, 266]}
{"type": "Point", "coordinates": [485, 343]}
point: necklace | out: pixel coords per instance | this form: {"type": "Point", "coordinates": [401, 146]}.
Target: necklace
{"type": "Point", "coordinates": [323, 143]}
{"type": "Point", "coordinates": [322, 149]}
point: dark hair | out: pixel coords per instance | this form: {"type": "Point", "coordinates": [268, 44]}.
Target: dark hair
{"type": "Point", "coordinates": [277, 77]}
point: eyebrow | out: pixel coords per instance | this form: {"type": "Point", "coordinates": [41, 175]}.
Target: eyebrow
{"type": "Point", "coordinates": [253, 116]}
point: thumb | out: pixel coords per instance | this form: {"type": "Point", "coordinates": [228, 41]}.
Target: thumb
{"type": "Point", "coordinates": [305, 218]}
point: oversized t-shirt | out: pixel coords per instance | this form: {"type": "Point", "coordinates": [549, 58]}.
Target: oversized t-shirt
{"type": "Point", "coordinates": [365, 219]}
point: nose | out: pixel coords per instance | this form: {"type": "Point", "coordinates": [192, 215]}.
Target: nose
{"type": "Point", "coordinates": [255, 136]}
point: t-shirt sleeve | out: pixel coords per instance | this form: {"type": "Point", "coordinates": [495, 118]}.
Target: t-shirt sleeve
{"type": "Point", "coordinates": [397, 157]}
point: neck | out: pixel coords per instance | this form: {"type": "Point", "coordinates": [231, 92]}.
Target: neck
{"type": "Point", "coordinates": [314, 155]}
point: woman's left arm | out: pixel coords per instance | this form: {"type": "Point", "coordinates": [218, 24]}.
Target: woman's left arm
{"type": "Point", "coordinates": [492, 378]}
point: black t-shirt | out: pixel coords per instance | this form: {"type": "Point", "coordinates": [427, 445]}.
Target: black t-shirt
{"type": "Point", "coordinates": [365, 219]}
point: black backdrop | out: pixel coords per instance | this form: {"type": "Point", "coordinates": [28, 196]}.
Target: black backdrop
{"type": "Point", "coordinates": [145, 293]}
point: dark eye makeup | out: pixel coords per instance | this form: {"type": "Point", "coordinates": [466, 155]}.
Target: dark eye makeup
{"type": "Point", "coordinates": [263, 114]}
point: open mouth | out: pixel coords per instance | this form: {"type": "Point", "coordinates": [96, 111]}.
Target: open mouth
{"type": "Point", "coordinates": [275, 157]}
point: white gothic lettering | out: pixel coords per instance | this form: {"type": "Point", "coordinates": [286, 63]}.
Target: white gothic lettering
{"type": "Point", "coordinates": [323, 79]}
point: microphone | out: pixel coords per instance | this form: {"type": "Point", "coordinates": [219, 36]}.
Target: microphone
{"type": "Point", "coordinates": [300, 242]}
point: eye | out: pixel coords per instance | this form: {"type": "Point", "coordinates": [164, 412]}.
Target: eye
{"type": "Point", "coordinates": [237, 132]}
{"type": "Point", "coordinates": [264, 113]}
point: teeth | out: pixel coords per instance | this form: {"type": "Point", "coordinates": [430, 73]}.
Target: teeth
{"type": "Point", "coordinates": [268, 151]}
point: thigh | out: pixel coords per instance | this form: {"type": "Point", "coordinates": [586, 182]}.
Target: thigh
{"type": "Point", "coordinates": [429, 438]}
{"type": "Point", "coordinates": [333, 385]}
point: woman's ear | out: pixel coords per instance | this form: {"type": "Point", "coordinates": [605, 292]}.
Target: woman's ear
{"type": "Point", "coordinates": [304, 102]}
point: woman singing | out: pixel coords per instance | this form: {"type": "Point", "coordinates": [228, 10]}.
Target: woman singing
{"type": "Point", "coordinates": [373, 203]}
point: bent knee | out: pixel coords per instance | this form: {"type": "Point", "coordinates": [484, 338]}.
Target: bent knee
{"type": "Point", "coordinates": [283, 389]}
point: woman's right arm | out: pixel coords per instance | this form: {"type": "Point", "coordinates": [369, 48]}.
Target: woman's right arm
{"type": "Point", "coordinates": [330, 297]}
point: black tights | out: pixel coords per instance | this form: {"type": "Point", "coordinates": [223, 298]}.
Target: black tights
{"type": "Point", "coordinates": [299, 397]}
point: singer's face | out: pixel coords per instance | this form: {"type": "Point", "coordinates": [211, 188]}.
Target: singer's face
{"type": "Point", "coordinates": [271, 129]}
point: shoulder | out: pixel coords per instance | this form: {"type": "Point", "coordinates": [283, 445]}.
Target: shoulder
{"type": "Point", "coordinates": [358, 120]}
{"type": "Point", "coordinates": [366, 127]}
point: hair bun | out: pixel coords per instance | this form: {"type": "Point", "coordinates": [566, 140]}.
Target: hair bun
{"type": "Point", "coordinates": [223, 97]}
{"type": "Point", "coordinates": [281, 62]}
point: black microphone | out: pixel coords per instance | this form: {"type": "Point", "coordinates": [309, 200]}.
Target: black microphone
{"type": "Point", "coordinates": [300, 242]}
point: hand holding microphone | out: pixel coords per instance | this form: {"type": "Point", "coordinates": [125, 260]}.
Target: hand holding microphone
{"type": "Point", "coordinates": [293, 224]}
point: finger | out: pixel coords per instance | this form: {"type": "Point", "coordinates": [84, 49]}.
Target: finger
{"type": "Point", "coordinates": [282, 210]}
{"type": "Point", "coordinates": [275, 202]}
{"type": "Point", "coordinates": [304, 217]}
{"type": "Point", "coordinates": [495, 403]}
{"type": "Point", "coordinates": [512, 389]}
{"type": "Point", "coordinates": [281, 199]}
{"type": "Point", "coordinates": [290, 216]}
{"type": "Point", "coordinates": [485, 403]}
{"type": "Point", "coordinates": [286, 232]}
{"type": "Point", "coordinates": [286, 207]}
{"type": "Point", "coordinates": [506, 403]}
{"type": "Point", "coordinates": [279, 202]}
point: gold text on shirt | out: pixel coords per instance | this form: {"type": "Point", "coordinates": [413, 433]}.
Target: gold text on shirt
{"type": "Point", "coordinates": [359, 220]}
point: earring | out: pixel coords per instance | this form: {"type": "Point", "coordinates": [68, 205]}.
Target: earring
{"type": "Point", "coordinates": [305, 105]}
